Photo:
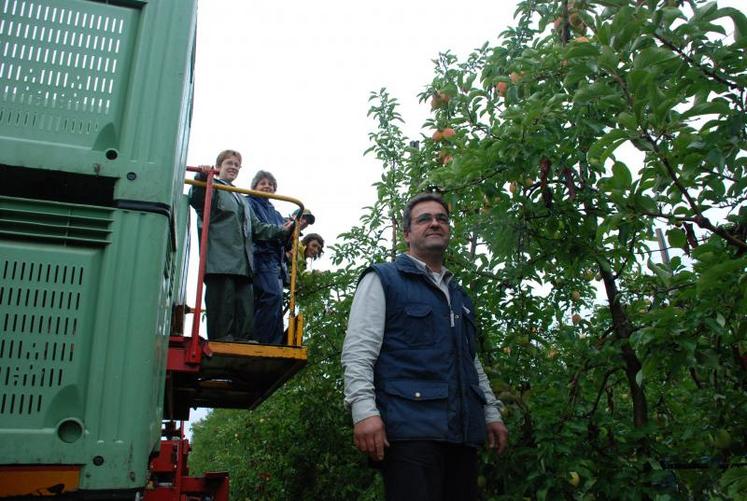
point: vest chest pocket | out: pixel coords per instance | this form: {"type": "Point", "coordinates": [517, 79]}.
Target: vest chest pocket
{"type": "Point", "coordinates": [418, 325]}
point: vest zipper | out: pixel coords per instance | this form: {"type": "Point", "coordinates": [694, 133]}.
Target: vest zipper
{"type": "Point", "coordinates": [459, 362]}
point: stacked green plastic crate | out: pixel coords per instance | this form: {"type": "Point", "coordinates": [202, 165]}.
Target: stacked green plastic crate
{"type": "Point", "coordinates": [94, 120]}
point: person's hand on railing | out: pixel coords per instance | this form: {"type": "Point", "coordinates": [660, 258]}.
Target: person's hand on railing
{"type": "Point", "coordinates": [289, 225]}
{"type": "Point", "coordinates": [204, 171]}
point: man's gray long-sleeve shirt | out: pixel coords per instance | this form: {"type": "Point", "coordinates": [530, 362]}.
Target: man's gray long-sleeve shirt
{"type": "Point", "coordinates": [363, 342]}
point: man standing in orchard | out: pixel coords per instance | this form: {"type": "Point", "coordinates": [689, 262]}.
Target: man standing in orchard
{"type": "Point", "coordinates": [420, 400]}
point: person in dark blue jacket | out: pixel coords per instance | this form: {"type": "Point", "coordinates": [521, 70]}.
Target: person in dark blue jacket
{"type": "Point", "coordinates": [421, 402]}
{"type": "Point", "coordinates": [268, 258]}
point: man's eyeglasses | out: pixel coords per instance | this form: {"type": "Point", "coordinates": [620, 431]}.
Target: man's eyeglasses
{"type": "Point", "coordinates": [427, 218]}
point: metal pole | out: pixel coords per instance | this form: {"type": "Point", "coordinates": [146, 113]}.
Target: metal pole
{"type": "Point", "coordinates": [292, 341]}
{"type": "Point", "coordinates": [662, 246]}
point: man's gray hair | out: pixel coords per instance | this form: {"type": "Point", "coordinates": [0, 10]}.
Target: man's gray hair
{"type": "Point", "coordinates": [263, 174]}
{"type": "Point", "coordinates": [422, 197]}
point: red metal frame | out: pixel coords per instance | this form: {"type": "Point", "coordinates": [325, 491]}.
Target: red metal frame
{"type": "Point", "coordinates": [195, 352]}
{"type": "Point", "coordinates": [170, 473]}
{"type": "Point", "coordinates": [180, 348]}
{"type": "Point", "coordinates": [185, 353]}
{"type": "Point", "coordinates": [169, 470]}
{"type": "Point", "coordinates": [170, 480]}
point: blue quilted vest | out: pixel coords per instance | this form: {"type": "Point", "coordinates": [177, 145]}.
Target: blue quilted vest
{"type": "Point", "coordinates": [426, 383]}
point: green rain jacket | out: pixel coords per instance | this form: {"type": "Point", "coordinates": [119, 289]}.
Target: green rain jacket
{"type": "Point", "coordinates": [233, 229]}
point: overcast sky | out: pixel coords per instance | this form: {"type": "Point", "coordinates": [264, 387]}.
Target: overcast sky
{"type": "Point", "coordinates": [287, 84]}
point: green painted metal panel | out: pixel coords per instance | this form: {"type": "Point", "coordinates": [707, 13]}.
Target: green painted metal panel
{"type": "Point", "coordinates": [181, 257]}
{"type": "Point", "coordinates": [65, 71]}
{"type": "Point", "coordinates": [83, 340]}
{"type": "Point", "coordinates": [46, 301]}
{"type": "Point", "coordinates": [101, 89]}
{"type": "Point", "coordinates": [34, 218]}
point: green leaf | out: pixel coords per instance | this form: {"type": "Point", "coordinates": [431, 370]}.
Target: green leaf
{"type": "Point", "coordinates": [717, 273]}
{"type": "Point", "coordinates": [740, 24]}
{"type": "Point", "coordinates": [720, 319]}
{"type": "Point", "coordinates": [653, 56]}
{"type": "Point", "coordinates": [715, 107]}
{"type": "Point", "coordinates": [670, 15]}
{"type": "Point", "coordinates": [581, 49]}
{"type": "Point", "coordinates": [627, 120]}
{"type": "Point", "coordinates": [734, 480]}
{"type": "Point", "coordinates": [605, 146]}
{"type": "Point", "coordinates": [676, 238]}
{"type": "Point", "coordinates": [612, 3]}
{"type": "Point", "coordinates": [592, 94]}
{"type": "Point", "coordinates": [609, 59]}
{"type": "Point", "coordinates": [621, 177]}
{"type": "Point", "coordinates": [638, 81]}
{"type": "Point", "coordinates": [645, 203]}
{"type": "Point", "coordinates": [660, 271]}
{"type": "Point", "coordinates": [649, 367]}
{"type": "Point", "coordinates": [737, 17]}
{"type": "Point", "coordinates": [625, 27]}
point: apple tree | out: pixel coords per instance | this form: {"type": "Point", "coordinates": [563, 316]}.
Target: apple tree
{"type": "Point", "coordinates": [591, 126]}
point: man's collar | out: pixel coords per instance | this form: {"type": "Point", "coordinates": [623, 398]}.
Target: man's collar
{"type": "Point", "coordinates": [424, 267]}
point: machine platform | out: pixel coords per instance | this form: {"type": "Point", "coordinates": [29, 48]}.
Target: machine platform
{"type": "Point", "coordinates": [232, 376]}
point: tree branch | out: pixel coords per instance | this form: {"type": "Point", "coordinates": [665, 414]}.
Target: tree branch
{"type": "Point", "coordinates": [602, 389]}
{"type": "Point", "coordinates": [704, 69]}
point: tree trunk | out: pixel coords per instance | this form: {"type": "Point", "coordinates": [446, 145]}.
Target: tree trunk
{"type": "Point", "coordinates": [623, 331]}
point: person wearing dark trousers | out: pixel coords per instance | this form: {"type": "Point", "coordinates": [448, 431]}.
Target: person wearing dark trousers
{"type": "Point", "coordinates": [229, 270]}
{"type": "Point", "coordinates": [421, 403]}
{"type": "Point", "coordinates": [268, 260]}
